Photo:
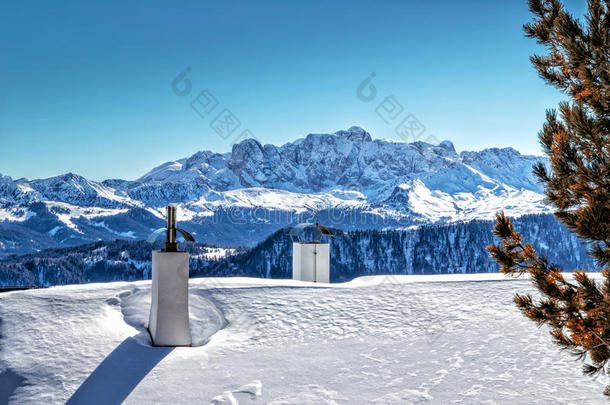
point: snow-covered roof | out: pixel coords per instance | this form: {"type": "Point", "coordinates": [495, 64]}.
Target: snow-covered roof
{"type": "Point", "coordinates": [432, 339]}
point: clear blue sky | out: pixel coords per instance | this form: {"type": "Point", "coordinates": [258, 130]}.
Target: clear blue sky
{"type": "Point", "coordinates": [87, 88]}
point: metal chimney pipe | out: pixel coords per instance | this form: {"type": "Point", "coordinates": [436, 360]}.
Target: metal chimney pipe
{"type": "Point", "coordinates": [171, 225]}
{"type": "Point", "coordinates": [171, 245]}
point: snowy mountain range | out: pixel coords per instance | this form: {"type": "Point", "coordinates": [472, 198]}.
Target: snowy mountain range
{"type": "Point", "coordinates": [346, 179]}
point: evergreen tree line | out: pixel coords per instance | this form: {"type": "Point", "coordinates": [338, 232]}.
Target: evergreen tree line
{"type": "Point", "coordinates": [446, 249]}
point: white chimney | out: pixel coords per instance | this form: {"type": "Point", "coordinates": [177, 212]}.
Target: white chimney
{"type": "Point", "coordinates": [168, 322]}
{"type": "Point", "coordinates": [311, 262]}
{"type": "Point", "coordinates": [310, 259]}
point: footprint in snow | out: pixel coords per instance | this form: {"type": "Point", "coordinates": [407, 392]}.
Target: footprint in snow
{"type": "Point", "coordinates": [252, 390]}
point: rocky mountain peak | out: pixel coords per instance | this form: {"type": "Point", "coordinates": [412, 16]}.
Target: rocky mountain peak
{"type": "Point", "coordinates": [448, 145]}
{"type": "Point", "coordinates": [355, 134]}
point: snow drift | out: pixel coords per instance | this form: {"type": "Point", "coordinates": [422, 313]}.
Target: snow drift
{"type": "Point", "coordinates": [386, 340]}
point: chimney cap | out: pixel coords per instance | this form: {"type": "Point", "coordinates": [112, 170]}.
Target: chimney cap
{"type": "Point", "coordinates": [297, 230]}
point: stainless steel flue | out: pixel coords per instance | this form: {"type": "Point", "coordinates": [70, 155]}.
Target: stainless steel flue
{"type": "Point", "coordinates": [171, 245]}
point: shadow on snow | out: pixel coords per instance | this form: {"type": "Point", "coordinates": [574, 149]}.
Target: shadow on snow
{"type": "Point", "coordinates": [119, 373]}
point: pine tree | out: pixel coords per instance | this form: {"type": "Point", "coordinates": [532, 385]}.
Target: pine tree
{"type": "Point", "coordinates": [577, 141]}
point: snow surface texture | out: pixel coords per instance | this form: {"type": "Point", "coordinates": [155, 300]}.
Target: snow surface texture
{"type": "Point", "coordinates": [379, 340]}
{"type": "Point", "coordinates": [355, 181]}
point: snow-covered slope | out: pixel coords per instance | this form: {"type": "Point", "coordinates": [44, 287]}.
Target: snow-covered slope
{"type": "Point", "coordinates": [376, 340]}
{"type": "Point", "coordinates": [351, 179]}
